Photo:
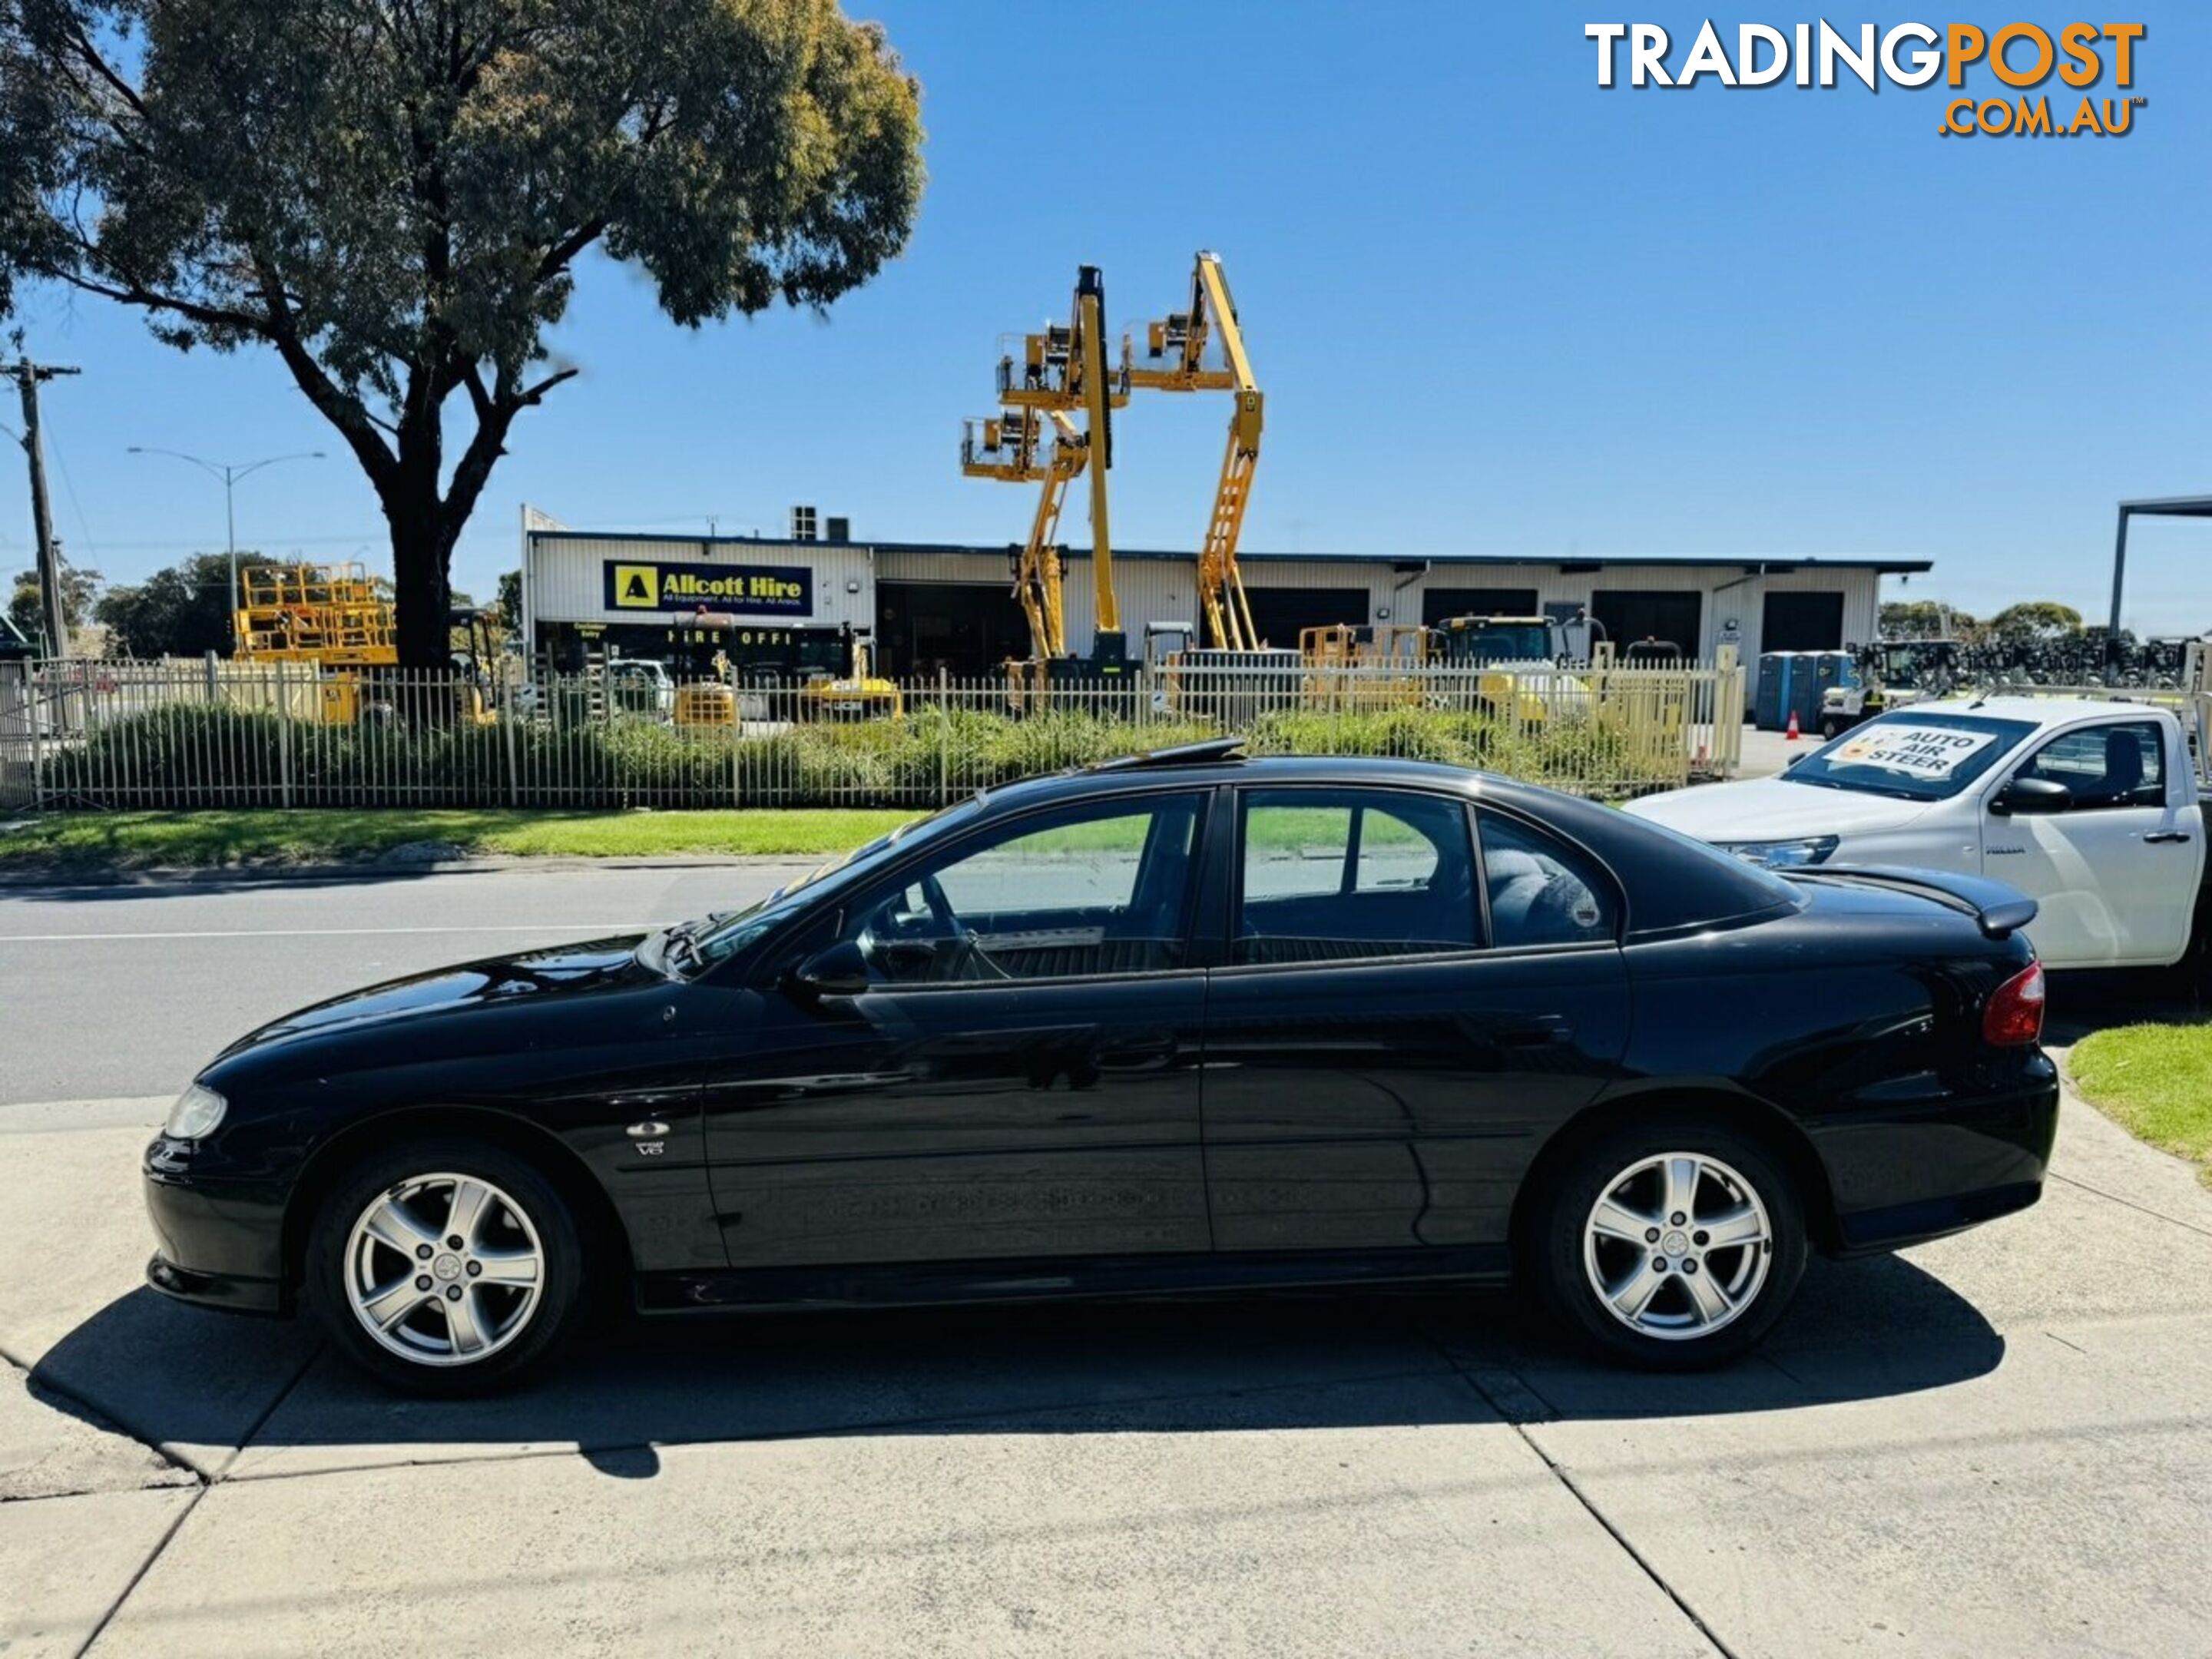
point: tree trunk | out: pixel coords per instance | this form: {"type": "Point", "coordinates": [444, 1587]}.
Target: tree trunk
{"type": "Point", "coordinates": [421, 545]}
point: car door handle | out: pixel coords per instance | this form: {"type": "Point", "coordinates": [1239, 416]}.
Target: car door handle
{"type": "Point", "coordinates": [2157, 835]}
{"type": "Point", "coordinates": [1535, 1036]}
{"type": "Point", "coordinates": [1136, 1052]}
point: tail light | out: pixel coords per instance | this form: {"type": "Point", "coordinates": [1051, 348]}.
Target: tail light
{"type": "Point", "coordinates": [2013, 1017]}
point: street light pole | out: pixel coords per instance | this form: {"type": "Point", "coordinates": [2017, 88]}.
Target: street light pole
{"type": "Point", "coordinates": [230, 473]}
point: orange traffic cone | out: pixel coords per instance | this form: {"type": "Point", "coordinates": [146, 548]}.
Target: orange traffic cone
{"type": "Point", "coordinates": [1792, 737]}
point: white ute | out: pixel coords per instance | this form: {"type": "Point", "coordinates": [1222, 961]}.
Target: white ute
{"type": "Point", "coordinates": [2096, 808]}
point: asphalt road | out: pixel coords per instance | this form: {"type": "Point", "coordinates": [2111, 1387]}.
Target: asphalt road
{"type": "Point", "coordinates": [127, 990]}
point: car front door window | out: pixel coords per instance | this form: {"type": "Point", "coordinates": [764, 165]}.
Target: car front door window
{"type": "Point", "coordinates": [1097, 890]}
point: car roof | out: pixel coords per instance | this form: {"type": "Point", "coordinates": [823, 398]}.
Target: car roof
{"type": "Point", "coordinates": [2043, 711]}
{"type": "Point", "coordinates": [1672, 882]}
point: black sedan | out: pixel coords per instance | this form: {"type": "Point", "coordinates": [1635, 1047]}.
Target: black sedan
{"type": "Point", "coordinates": [1182, 1022]}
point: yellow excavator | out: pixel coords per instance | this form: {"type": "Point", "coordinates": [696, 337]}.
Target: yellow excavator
{"type": "Point", "coordinates": [1061, 371]}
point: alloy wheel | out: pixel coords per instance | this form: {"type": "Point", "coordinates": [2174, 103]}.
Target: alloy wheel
{"type": "Point", "coordinates": [1678, 1246]}
{"type": "Point", "coordinates": [444, 1269]}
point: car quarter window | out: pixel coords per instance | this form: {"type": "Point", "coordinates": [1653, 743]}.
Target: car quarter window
{"type": "Point", "coordinates": [1339, 874]}
{"type": "Point", "coordinates": [2113, 765]}
{"type": "Point", "coordinates": [1098, 889]}
{"type": "Point", "coordinates": [1540, 890]}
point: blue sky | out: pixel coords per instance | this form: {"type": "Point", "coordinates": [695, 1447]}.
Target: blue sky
{"type": "Point", "coordinates": [1495, 309]}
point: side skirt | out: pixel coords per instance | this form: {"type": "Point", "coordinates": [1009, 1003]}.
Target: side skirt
{"type": "Point", "coordinates": [905, 1284]}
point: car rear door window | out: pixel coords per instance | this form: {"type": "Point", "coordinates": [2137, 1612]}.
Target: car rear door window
{"type": "Point", "coordinates": [1337, 874]}
{"type": "Point", "coordinates": [1539, 891]}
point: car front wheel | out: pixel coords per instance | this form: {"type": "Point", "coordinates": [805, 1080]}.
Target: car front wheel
{"type": "Point", "coordinates": [445, 1268]}
{"type": "Point", "coordinates": [1672, 1245]}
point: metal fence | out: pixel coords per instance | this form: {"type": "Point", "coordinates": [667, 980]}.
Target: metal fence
{"type": "Point", "coordinates": [79, 734]}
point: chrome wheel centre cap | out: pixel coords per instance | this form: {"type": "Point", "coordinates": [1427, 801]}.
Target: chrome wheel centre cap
{"type": "Point", "coordinates": [446, 1267]}
{"type": "Point", "coordinates": [1676, 1243]}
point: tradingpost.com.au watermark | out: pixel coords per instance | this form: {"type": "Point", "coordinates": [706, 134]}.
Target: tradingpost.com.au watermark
{"type": "Point", "coordinates": [2025, 57]}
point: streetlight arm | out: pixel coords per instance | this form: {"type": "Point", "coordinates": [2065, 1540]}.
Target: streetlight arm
{"type": "Point", "coordinates": [256, 466]}
{"type": "Point", "coordinates": [221, 474]}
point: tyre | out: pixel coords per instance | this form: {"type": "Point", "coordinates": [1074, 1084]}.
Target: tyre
{"type": "Point", "coordinates": [445, 1268]}
{"type": "Point", "coordinates": [1832, 726]}
{"type": "Point", "coordinates": [1669, 1245]}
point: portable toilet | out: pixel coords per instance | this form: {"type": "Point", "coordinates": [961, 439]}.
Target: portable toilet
{"type": "Point", "coordinates": [1769, 708]}
{"type": "Point", "coordinates": [1810, 677]}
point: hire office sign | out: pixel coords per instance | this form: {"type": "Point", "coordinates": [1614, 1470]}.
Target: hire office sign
{"type": "Point", "coordinates": [753, 590]}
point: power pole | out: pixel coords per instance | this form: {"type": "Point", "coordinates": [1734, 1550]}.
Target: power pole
{"type": "Point", "coordinates": [29, 376]}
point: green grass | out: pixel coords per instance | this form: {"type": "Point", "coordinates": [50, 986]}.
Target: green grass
{"type": "Point", "coordinates": [335, 835]}
{"type": "Point", "coordinates": [216, 840]}
{"type": "Point", "coordinates": [2155, 1081]}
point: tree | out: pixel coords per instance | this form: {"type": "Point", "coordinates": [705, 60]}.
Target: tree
{"type": "Point", "coordinates": [394, 195]}
{"type": "Point", "coordinates": [182, 611]}
{"type": "Point", "coordinates": [510, 598]}
{"type": "Point", "coordinates": [2036, 619]}
{"type": "Point", "coordinates": [1923, 619]}
{"type": "Point", "coordinates": [26, 609]}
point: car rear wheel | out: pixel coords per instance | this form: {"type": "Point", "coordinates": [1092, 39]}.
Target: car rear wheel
{"type": "Point", "coordinates": [1671, 1245]}
{"type": "Point", "coordinates": [445, 1268]}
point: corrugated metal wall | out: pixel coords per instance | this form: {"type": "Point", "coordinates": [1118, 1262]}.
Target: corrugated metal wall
{"type": "Point", "coordinates": [567, 584]}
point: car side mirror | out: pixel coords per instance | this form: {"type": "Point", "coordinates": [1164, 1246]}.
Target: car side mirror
{"type": "Point", "coordinates": [2029, 796]}
{"type": "Point", "coordinates": [840, 971]}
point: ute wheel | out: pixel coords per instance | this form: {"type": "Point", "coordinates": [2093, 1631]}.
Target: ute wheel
{"type": "Point", "coordinates": [1669, 1245]}
{"type": "Point", "coordinates": [445, 1268]}
{"type": "Point", "coordinates": [1832, 726]}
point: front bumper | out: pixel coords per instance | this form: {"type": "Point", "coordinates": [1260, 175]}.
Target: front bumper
{"type": "Point", "coordinates": [226, 1291]}
{"type": "Point", "coordinates": [219, 1244]}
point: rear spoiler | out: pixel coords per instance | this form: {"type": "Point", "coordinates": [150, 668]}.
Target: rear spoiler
{"type": "Point", "coordinates": [1997, 909]}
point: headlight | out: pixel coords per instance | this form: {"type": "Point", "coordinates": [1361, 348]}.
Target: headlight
{"type": "Point", "coordinates": [196, 1116]}
{"type": "Point", "coordinates": [1781, 855]}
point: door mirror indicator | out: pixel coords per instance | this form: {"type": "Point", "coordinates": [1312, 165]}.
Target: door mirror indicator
{"type": "Point", "coordinates": [840, 971]}
{"type": "Point", "coordinates": [2032, 796]}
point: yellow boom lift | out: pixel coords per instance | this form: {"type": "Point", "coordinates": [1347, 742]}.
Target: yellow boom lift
{"type": "Point", "coordinates": [1062, 370]}
{"type": "Point", "coordinates": [1005, 447]}
{"type": "Point", "coordinates": [1176, 344]}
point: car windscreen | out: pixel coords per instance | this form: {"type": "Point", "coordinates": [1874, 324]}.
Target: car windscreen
{"type": "Point", "coordinates": [1915, 754]}
{"type": "Point", "coordinates": [1531, 643]}
{"type": "Point", "coordinates": [724, 936]}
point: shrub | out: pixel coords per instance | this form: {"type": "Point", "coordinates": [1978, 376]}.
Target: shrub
{"type": "Point", "coordinates": [188, 754]}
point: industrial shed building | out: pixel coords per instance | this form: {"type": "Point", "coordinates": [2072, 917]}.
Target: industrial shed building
{"type": "Point", "coordinates": [931, 605]}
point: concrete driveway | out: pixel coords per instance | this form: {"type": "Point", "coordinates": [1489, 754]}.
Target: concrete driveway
{"type": "Point", "coordinates": [1998, 1443]}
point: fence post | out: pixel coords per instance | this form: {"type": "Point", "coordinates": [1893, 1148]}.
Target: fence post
{"type": "Point", "coordinates": [31, 712]}
{"type": "Point", "coordinates": [283, 739]}
{"type": "Point", "coordinates": [507, 740]}
{"type": "Point", "coordinates": [943, 738]}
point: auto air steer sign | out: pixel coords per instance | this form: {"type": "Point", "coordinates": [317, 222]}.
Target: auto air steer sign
{"type": "Point", "coordinates": [755, 590]}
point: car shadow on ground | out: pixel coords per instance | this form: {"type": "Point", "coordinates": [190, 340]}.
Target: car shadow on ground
{"type": "Point", "coordinates": [172, 1375]}
{"type": "Point", "coordinates": [2086, 1001]}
